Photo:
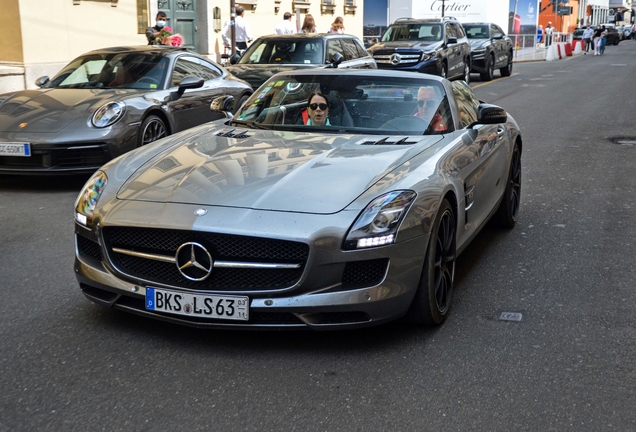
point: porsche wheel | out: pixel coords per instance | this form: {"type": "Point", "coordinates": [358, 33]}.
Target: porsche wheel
{"type": "Point", "coordinates": [152, 129]}
{"type": "Point", "coordinates": [490, 69]}
{"type": "Point", "coordinates": [432, 301]}
{"type": "Point", "coordinates": [240, 103]}
{"type": "Point", "coordinates": [509, 207]}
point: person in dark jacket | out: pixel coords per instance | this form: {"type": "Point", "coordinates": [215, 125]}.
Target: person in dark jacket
{"type": "Point", "coordinates": [154, 31]}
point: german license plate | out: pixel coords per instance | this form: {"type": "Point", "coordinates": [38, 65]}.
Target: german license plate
{"type": "Point", "coordinates": [15, 149]}
{"type": "Point", "coordinates": [198, 305]}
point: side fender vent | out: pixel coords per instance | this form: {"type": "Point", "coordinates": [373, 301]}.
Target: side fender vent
{"type": "Point", "coordinates": [234, 134]}
{"type": "Point", "coordinates": [385, 141]}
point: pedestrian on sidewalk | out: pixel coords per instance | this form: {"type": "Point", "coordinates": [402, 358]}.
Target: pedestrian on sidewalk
{"type": "Point", "coordinates": [633, 33]}
{"type": "Point", "coordinates": [539, 35]}
{"type": "Point", "coordinates": [597, 41]}
{"type": "Point", "coordinates": [603, 39]}
{"type": "Point", "coordinates": [548, 34]}
{"type": "Point", "coordinates": [285, 26]}
{"type": "Point", "coordinates": [588, 34]}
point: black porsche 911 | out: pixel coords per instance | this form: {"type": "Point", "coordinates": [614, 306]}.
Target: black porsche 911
{"type": "Point", "coordinates": [107, 102]}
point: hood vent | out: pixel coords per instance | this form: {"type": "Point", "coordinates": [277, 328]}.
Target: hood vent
{"type": "Point", "coordinates": [384, 141]}
{"type": "Point", "coordinates": [234, 134]}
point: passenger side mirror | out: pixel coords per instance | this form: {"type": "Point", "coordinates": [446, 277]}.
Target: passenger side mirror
{"type": "Point", "coordinates": [189, 82]}
{"type": "Point", "coordinates": [452, 40]}
{"type": "Point", "coordinates": [235, 58]}
{"type": "Point", "coordinates": [40, 82]}
{"type": "Point", "coordinates": [223, 105]}
{"type": "Point", "coordinates": [497, 36]}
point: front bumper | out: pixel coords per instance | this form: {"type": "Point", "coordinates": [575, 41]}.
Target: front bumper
{"type": "Point", "coordinates": [478, 62]}
{"type": "Point", "coordinates": [326, 297]}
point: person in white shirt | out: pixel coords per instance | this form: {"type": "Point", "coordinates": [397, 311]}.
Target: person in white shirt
{"type": "Point", "coordinates": [243, 32]}
{"type": "Point", "coordinates": [588, 34]}
{"type": "Point", "coordinates": [285, 26]}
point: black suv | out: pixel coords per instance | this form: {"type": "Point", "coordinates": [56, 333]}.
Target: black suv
{"type": "Point", "coordinates": [433, 46]}
{"type": "Point", "coordinates": [491, 49]}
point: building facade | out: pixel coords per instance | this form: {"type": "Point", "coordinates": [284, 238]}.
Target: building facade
{"type": "Point", "coordinates": [42, 36]}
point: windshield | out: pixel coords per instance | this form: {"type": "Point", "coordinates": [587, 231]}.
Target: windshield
{"type": "Point", "coordinates": [477, 31]}
{"type": "Point", "coordinates": [355, 103]}
{"type": "Point", "coordinates": [113, 70]}
{"type": "Point", "coordinates": [431, 32]}
{"type": "Point", "coordinates": [285, 51]}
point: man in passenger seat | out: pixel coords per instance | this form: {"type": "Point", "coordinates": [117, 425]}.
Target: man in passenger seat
{"type": "Point", "coordinates": [427, 108]}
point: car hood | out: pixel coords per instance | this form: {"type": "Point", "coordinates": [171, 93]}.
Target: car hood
{"type": "Point", "coordinates": [425, 46]}
{"type": "Point", "coordinates": [477, 43]}
{"type": "Point", "coordinates": [51, 110]}
{"type": "Point", "coordinates": [267, 170]}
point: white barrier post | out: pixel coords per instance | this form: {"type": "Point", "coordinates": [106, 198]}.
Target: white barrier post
{"type": "Point", "coordinates": [552, 55]}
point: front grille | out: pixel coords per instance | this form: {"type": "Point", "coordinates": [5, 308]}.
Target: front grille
{"type": "Point", "coordinates": [61, 157]}
{"type": "Point", "coordinates": [88, 248]}
{"type": "Point", "coordinates": [397, 58]}
{"type": "Point", "coordinates": [365, 273]}
{"type": "Point", "coordinates": [222, 247]}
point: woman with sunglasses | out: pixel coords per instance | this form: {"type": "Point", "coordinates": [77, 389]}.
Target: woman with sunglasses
{"type": "Point", "coordinates": [427, 104]}
{"type": "Point", "coordinates": [318, 110]}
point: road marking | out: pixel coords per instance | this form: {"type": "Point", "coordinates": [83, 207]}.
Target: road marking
{"type": "Point", "coordinates": [490, 82]}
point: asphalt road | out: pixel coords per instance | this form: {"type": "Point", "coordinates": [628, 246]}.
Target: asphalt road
{"type": "Point", "coordinates": [567, 268]}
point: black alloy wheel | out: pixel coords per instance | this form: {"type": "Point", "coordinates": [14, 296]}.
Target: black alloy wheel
{"type": "Point", "coordinates": [506, 71]}
{"type": "Point", "coordinates": [432, 301]}
{"type": "Point", "coordinates": [152, 129]}
{"type": "Point", "coordinates": [490, 69]}
{"type": "Point", "coordinates": [509, 207]}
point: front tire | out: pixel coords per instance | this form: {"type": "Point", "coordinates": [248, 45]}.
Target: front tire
{"type": "Point", "coordinates": [506, 71]}
{"type": "Point", "coordinates": [509, 208]}
{"type": "Point", "coordinates": [432, 301]}
{"type": "Point", "coordinates": [490, 70]}
{"type": "Point", "coordinates": [467, 71]}
{"type": "Point", "coordinates": [444, 71]}
{"type": "Point", "coordinates": [152, 129]}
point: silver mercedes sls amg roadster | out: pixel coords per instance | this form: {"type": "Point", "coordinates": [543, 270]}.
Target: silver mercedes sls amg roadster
{"type": "Point", "coordinates": [333, 199]}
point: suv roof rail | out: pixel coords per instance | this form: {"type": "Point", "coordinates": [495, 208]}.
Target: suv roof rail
{"type": "Point", "coordinates": [449, 18]}
{"type": "Point", "coordinates": [403, 19]}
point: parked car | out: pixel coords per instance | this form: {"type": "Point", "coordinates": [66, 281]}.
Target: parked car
{"type": "Point", "coordinates": [490, 49]}
{"type": "Point", "coordinates": [107, 102]}
{"type": "Point", "coordinates": [613, 35]}
{"type": "Point", "coordinates": [264, 221]}
{"type": "Point", "coordinates": [281, 53]}
{"type": "Point", "coordinates": [432, 46]}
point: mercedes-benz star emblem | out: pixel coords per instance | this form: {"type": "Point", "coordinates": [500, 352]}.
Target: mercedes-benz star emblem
{"type": "Point", "coordinates": [194, 261]}
{"type": "Point", "coordinates": [395, 59]}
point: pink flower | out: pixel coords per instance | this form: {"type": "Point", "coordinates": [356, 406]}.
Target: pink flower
{"type": "Point", "coordinates": [168, 29]}
{"type": "Point", "coordinates": [176, 40]}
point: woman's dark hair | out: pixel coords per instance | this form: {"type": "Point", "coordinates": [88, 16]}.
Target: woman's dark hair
{"type": "Point", "coordinates": [317, 93]}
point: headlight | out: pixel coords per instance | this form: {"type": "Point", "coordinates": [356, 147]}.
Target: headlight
{"type": "Point", "coordinates": [427, 56]}
{"type": "Point", "coordinates": [379, 221]}
{"type": "Point", "coordinates": [87, 199]}
{"type": "Point", "coordinates": [108, 114]}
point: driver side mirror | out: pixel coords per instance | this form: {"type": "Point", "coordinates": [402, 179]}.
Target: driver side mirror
{"type": "Point", "coordinates": [40, 82]}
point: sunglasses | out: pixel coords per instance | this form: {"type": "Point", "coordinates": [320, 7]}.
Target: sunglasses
{"type": "Point", "coordinates": [428, 103]}
{"type": "Point", "coordinates": [314, 106]}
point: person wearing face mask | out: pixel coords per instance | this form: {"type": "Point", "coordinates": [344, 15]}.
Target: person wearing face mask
{"type": "Point", "coordinates": [154, 31]}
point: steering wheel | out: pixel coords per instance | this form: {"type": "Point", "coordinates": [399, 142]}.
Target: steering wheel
{"type": "Point", "coordinates": [149, 80]}
{"type": "Point", "coordinates": [408, 123]}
